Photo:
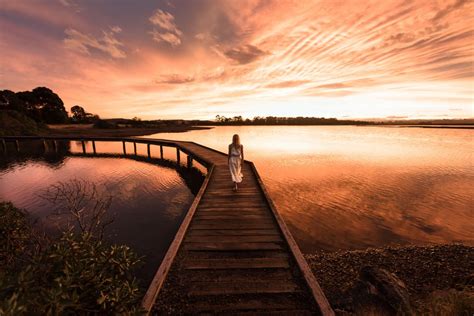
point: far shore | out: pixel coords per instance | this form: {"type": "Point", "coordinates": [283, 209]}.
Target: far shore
{"type": "Point", "coordinates": [89, 130]}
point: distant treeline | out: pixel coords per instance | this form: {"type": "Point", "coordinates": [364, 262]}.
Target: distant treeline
{"type": "Point", "coordinates": [277, 120]}
{"type": "Point", "coordinates": [302, 120]}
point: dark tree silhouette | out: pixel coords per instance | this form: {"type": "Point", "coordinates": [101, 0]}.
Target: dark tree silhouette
{"type": "Point", "coordinates": [78, 114]}
{"type": "Point", "coordinates": [41, 104]}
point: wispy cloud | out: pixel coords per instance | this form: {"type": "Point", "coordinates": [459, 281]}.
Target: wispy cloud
{"type": "Point", "coordinates": [174, 79]}
{"type": "Point", "coordinates": [250, 57]}
{"type": "Point", "coordinates": [164, 28]}
{"type": "Point", "coordinates": [85, 43]}
{"type": "Point", "coordinates": [245, 54]}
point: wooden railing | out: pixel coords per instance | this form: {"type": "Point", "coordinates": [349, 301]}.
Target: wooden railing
{"type": "Point", "coordinates": [51, 142]}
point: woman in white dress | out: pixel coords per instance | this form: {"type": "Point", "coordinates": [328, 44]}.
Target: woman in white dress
{"type": "Point", "coordinates": [236, 156]}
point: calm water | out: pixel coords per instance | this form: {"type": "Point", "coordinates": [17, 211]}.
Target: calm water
{"type": "Point", "coordinates": [355, 187]}
{"type": "Point", "coordinates": [149, 201]}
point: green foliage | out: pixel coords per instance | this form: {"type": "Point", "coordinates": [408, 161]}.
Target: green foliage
{"type": "Point", "coordinates": [74, 274]}
{"type": "Point", "coordinates": [15, 233]}
{"type": "Point", "coordinates": [17, 123]}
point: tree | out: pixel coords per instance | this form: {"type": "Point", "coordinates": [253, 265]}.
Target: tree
{"type": "Point", "coordinates": [51, 106]}
{"type": "Point", "coordinates": [9, 100]}
{"type": "Point", "coordinates": [78, 114]}
{"type": "Point", "coordinates": [43, 105]}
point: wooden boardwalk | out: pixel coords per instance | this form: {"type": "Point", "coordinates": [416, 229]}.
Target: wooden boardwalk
{"type": "Point", "coordinates": [234, 254]}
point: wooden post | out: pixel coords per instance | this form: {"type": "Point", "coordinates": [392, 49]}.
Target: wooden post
{"type": "Point", "coordinates": [83, 147]}
{"type": "Point", "coordinates": [4, 143]}
{"type": "Point", "coordinates": [17, 143]}
{"type": "Point", "coordinates": [178, 158]}
{"type": "Point", "coordinates": [190, 162]}
{"type": "Point", "coordinates": [161, 151]}
{"type": "Point", "coordinates": [45, 146]}
{"type": "Point", "coordinates": [135, 148]}
{"type": "Point", "coordinates": [93, 147]}
{"type": "Point", "coordinates": [124, 148]}
{"type": "Point", "coordinates": [55, 146]}
{"type": "Point", "coordinates": [148, 150]}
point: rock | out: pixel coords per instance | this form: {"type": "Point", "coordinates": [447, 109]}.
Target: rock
{"type": "Point", "coordinates": [382, 289]}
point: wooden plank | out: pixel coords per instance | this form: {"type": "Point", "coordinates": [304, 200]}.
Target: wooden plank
{"type": "Point", "coordinates": [240, 246]}
{"type": "Point", "coordinates": [157, 282]}
{"type": "Point", "coordinates": [267, 303]}
{"type": "Point", "coordinates": [232, 254]}
{"type": "Point", "coordinates": [239, 275]}
{"type": "Point", "coordinates": [251, 263]}
{"type": "Point", "coordinates": [231, 232]}
{"type": "Point", "coordinates": [229, 288]}
{"type": "Point", "coordinates": [243, 239]}
{"type": "Point", "coordinates": [234, 216]}
{"type": "Point", "coordinates": [233, 226]}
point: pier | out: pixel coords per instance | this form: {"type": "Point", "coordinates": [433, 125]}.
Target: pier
{"type": "Point", "coordinates": [233, 252]}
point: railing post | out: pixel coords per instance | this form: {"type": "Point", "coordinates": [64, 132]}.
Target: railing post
{"type": "Point", "coordinates": [135, 148]}
{"type": "Point", "coordinates": [190, 162]}
{"type": "Point", "coordinates": [148, 150]}
{"type": "Point", "coordinates": [17, 143]}
{"type": "Point", "coordinates": [178, 158]}
{"type": "Point", "coordinates": [93, 147]}
{"type": "Point", "coordinates": [124, 148]}
{"type": "Point", "coordinates": [55, 146]}
{"type": "Point", "coordinates": [161, 151]}
{"type": "Point", "coordinates": [83, 147]}
{"type": "Point", "coordinates": [45, 146]}
{"type": "Point", "coordinates": [4, 143]}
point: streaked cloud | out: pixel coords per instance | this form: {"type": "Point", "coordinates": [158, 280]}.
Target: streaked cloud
{"type": "Point", "coordinates": [251, 57]}
{"type": "Point", "coordinates": [165, 29]}
{"type": "Point", "coordinates": [245, 54]}
{"type": "Point", "coordinates": [85, 43]}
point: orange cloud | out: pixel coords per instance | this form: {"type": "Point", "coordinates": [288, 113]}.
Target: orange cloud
{"type": "Point", "coordinates": [288, 57]}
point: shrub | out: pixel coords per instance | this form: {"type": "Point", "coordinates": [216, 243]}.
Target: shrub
{"type": "Point", "coordinates": [16, 123]}
{"type": "Point", "coordinates": [74, 274]}
{"type": "Point", "coordinates": [104, 124]}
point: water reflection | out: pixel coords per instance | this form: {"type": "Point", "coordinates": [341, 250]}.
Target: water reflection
{"type": "Point", "coordinates": [150, 197]}
{"type": "Point", "coordinates": [343, 187]}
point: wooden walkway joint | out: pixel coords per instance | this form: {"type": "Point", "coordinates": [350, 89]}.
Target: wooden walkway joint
{"type": "Point", "coordinates": [232, 254]}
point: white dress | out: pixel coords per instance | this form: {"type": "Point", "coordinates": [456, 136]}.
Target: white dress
{"type": "Point", "coordinates": [235, 163]}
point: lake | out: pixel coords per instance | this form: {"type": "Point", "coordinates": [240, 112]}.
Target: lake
{"type": "Point", "coordinates": [347, 187]}
{"type": "Point", "coordinates": [149, 201]}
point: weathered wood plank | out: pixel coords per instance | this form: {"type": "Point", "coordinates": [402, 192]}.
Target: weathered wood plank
{"type": "Point", "coordinates": [232, 246]}
{"type": "Point", "coordinates": [229, 288]}
{"type": "Point", "coordinates": [244, 239]}
{"type": "Point", "coordinates": [233, 226]}
{"type": "Point", "coordinates": [231, 232]}
{"type": "Point", "coordinates": [251, 263]}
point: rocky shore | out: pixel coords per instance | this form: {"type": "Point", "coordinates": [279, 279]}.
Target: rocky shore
{"type": "Point", "coordinates": [433, 277]}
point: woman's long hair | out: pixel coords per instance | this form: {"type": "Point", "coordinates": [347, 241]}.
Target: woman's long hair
{"type": "Point", "coordinates": [236, 141]}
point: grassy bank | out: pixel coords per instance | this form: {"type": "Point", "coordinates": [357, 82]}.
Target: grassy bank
{"type": "Point", "coordinates": [441, 274]}
{"type": "Point", "coordinates": [89, 130]}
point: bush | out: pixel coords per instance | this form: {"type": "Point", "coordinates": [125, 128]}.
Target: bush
{"type": "Point", "coordinates": [16, 123]}
{"type": "Point", "coordinates": [74, 274]}
{"type": "Point", "coordinates": [104, 124]}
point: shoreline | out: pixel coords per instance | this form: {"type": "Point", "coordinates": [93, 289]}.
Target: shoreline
{"type": "Point", "coordinates": [425, 269]}
{"type": "Point", "coordinates": [117, 132]}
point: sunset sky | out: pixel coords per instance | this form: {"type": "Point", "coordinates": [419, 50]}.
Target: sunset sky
{"type": "Point", "coordinates": [198, 58]}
